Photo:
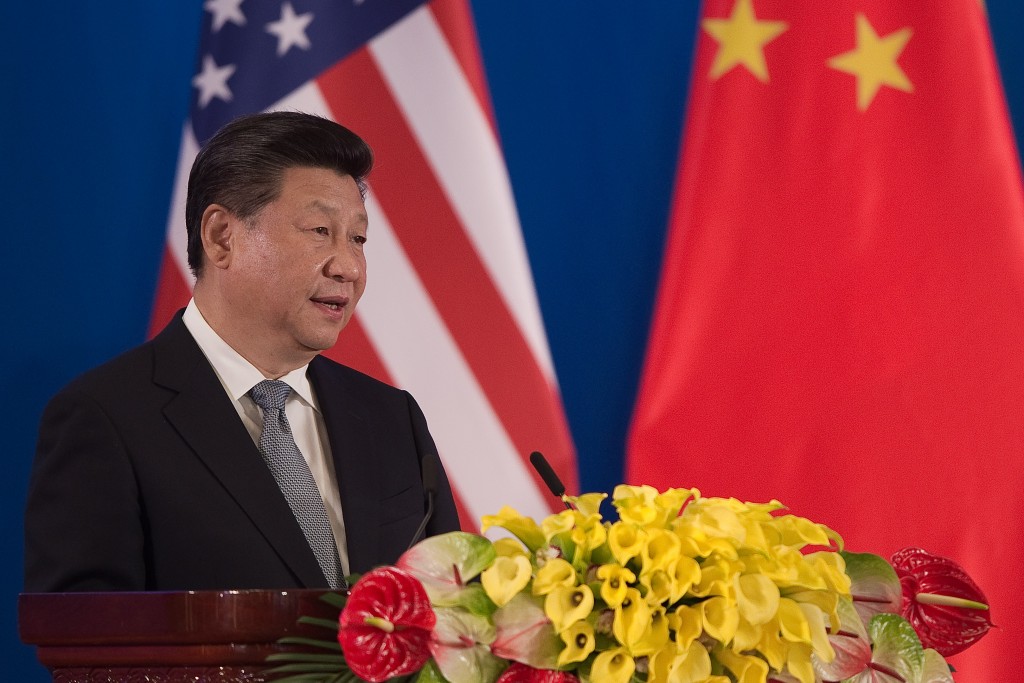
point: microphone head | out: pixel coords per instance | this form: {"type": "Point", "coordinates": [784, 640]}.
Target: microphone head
{"type": "Point", "coordinates": [428, 470]}
{"type": "Point", "coordinates": [551, 479]}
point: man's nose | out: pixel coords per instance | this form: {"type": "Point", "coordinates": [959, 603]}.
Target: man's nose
{"type": "Point", "coordinates": [345, 265]}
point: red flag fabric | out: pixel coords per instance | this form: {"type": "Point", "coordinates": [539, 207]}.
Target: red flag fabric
{"type": "Point", "coordinates": [450, 312]}
{"type": "Point", "coordinates": [840, 321]}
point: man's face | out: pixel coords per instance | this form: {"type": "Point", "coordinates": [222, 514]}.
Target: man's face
{"type": "Point", "coordinates": [298, 267]}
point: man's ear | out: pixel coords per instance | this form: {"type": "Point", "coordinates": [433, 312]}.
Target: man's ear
{"type": "Point", "coordinates": [218, 230]}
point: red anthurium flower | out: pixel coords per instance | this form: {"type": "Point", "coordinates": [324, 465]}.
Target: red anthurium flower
{"type": "Point", "coordinates": [521, 673]}
{"type": "Point", "coordinates": [385, 627]}
{"type": "Point", "coordinates": [942, 603]}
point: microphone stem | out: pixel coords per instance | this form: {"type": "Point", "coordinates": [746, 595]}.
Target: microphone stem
{"type": "Point", "coordinates": [426, 519]}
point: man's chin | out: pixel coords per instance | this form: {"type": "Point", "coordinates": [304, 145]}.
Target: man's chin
{"type": "Point", "coordinates": [318, 343]}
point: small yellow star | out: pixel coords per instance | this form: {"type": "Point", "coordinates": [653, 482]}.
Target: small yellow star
{"type": "Point", "coordinates": [741, 40]}
{"type": "Point", "coordinates": [873, 62]}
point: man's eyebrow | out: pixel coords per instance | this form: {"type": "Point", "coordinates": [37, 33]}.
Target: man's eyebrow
{"type": "Point", "coordinates": [333, 210]}
{"type": "Point", "coordinates": [322, 206]}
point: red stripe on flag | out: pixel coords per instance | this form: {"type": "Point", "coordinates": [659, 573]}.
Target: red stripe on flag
{"type": "Point", "coordinates": [172, 293]}
{"type": "Point", "coordinates": [456, 21]}
{"type": "Point", "coordinates": [450, 267]}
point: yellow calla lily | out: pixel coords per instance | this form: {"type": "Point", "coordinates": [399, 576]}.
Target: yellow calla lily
{"type": "Point", "coordinates": [687, 623]}
{"type": "Point", "coordinates": [589, 503]}
{"type": "Point", "coordinates": [771, 646]}
{"type": "Point", "coordinates": [613, 666]}
{"type": "Point", "coordinates": [523, 528]}
{"type": "Point", "coordinates": [720, 618]}
{"type": "Point", "coordinates": [655, 636]}
{"type": "Point", "coordinates": [625, 541]}
{"type": "Point", "coordinates": [686, 573]}
{"type": "Point", "coordinates": [632, 619]}
{"type": "Point", "coordinates": [745, 668]}
{"type": "Point", "coordinates": [552, 525]}
{"type": "Point", "coordinates": [659, 551]}
{"type": "Point", "coordinates": [564, 606]}
{"type": "Point", "coordinates": [510, 547]}
{"type": "Point", "coordinates": [660, 587]}
{"type": "Point", "coordinates": [555, 573]}
{"type": "Point", "coordinates": [798, 663]}
{"type": "Point", "coordinates": [819, 633]}
{"type": "Point", "coordinates": [579, 643]}
{"type": "Point", "coordinates": [832, 568]}
{"type": "Point", "coordinates": [687, 665]}
{"type": "Point", "coordinates": [757, 597]}
{"type": "Point", "coordinates": [615, 580]}
{"type": "Point", "coordinates": [506, 576]}
{"type": "Point", "coordinates": [792, 623]}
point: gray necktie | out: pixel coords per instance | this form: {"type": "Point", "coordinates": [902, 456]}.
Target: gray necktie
{"type": "Point", "coordinates": [293, 477]}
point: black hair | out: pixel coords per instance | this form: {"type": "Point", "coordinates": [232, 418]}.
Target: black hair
{"type": "Point", "coordinates": [242, 166]}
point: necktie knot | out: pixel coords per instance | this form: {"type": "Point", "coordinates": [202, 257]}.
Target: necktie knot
{"type": "Point", "coordinates": [270, 394]}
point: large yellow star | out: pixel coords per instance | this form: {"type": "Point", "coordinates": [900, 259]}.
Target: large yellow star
{"type": "Point", "coordinates": [873, 62]}
{"type": "Point", "coordinates": [741, 40]}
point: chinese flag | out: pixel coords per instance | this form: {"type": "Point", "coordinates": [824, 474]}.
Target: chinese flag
{"type": "Point", "coordinates": [840, 321]}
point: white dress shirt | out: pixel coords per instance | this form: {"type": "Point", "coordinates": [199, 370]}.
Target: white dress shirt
{"type": "Point", "coordinates": [238, 376]}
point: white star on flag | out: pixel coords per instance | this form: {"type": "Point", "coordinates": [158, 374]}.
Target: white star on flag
{"type": "Point", "coordinates": [290, 29]}
{"type": "Point", "coordinates": [213, 81]}
{"type": "Point", "coordinates": [224, 11]}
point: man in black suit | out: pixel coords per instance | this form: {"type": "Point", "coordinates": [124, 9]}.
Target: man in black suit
{"type": "Point", "coordinates": [159, 470]}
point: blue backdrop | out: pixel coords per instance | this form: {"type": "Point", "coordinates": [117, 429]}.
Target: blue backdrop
{"type": "Point", "coordinates": [589, 104]}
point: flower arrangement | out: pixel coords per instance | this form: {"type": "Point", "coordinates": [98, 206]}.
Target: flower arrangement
{"type": "Point", "coordinates": [680, 589]}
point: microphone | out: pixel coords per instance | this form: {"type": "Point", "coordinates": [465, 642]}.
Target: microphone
{"type": "Point", "coordinates": [428, 470]}
{"type": "Point", "coordinates": [554, 484]}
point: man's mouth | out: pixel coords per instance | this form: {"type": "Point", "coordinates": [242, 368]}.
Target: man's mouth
{"type": "Point", "coordinates": [334, 303]}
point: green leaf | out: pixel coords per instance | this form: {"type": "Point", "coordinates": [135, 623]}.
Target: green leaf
{"type": "Point", "coordinates": [936, 668]}
{"type": "Point", "coordinates": [474, 598]}
{"type": "Point", "coordinates": [305, 667]}
{"type": "Point", "coordinates": [525, 634]}
{"type": "Point", "coordinates": [304, 657]}
{"type": "Point", "coordinates": [334, 599]}
{"type": "Point", "coordinates": [461, 646]}
{"type": "Point", "coordinates": [445, 564]}
{"type": "Point", "coordinates": [896, 647]}
{"type": "Point", "coordinates": [430, 674]}
{"type": "Point", "coordinates": [849, 642]}
{"type": "Point", "coordinates": [325, 623]}
{"type": "Point", "coordinates": [875, 587]}
{"type": "Point", "coordinates": [310, 642]}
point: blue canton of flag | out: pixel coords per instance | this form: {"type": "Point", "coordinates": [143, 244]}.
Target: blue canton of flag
{"type": "Point", "coordinates": [253, 53]}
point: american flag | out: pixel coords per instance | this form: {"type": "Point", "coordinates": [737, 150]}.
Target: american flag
{"type": "Point", "coordinates": [450, 312]}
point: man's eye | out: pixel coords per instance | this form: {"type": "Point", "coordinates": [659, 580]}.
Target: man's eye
{"type": "Point", "coordinates": [360, 239]}
{"type": "Point", "coordinates": [322, 231]}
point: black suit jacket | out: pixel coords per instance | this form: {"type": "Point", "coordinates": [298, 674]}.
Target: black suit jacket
{"type": "Point", "coordinates": [146, 479]}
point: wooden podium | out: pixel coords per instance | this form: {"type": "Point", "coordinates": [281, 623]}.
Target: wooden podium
{"type": "Point", "coordinates": [201, 636]}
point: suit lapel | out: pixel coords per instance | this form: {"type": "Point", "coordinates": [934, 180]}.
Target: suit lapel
{"type": "Point", "coordinates": [209, 424]}
{"type": "Point", "coordinates": [356, 466]}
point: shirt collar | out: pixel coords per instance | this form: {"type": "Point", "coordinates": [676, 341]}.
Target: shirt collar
{"type": "Point", "coordinates": [236, 374]}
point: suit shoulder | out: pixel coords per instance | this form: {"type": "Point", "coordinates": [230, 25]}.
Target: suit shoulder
{"type": "Point", "coordinates": [115, 375]}
{"type": "Point", "coordinates": [333, 371]}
